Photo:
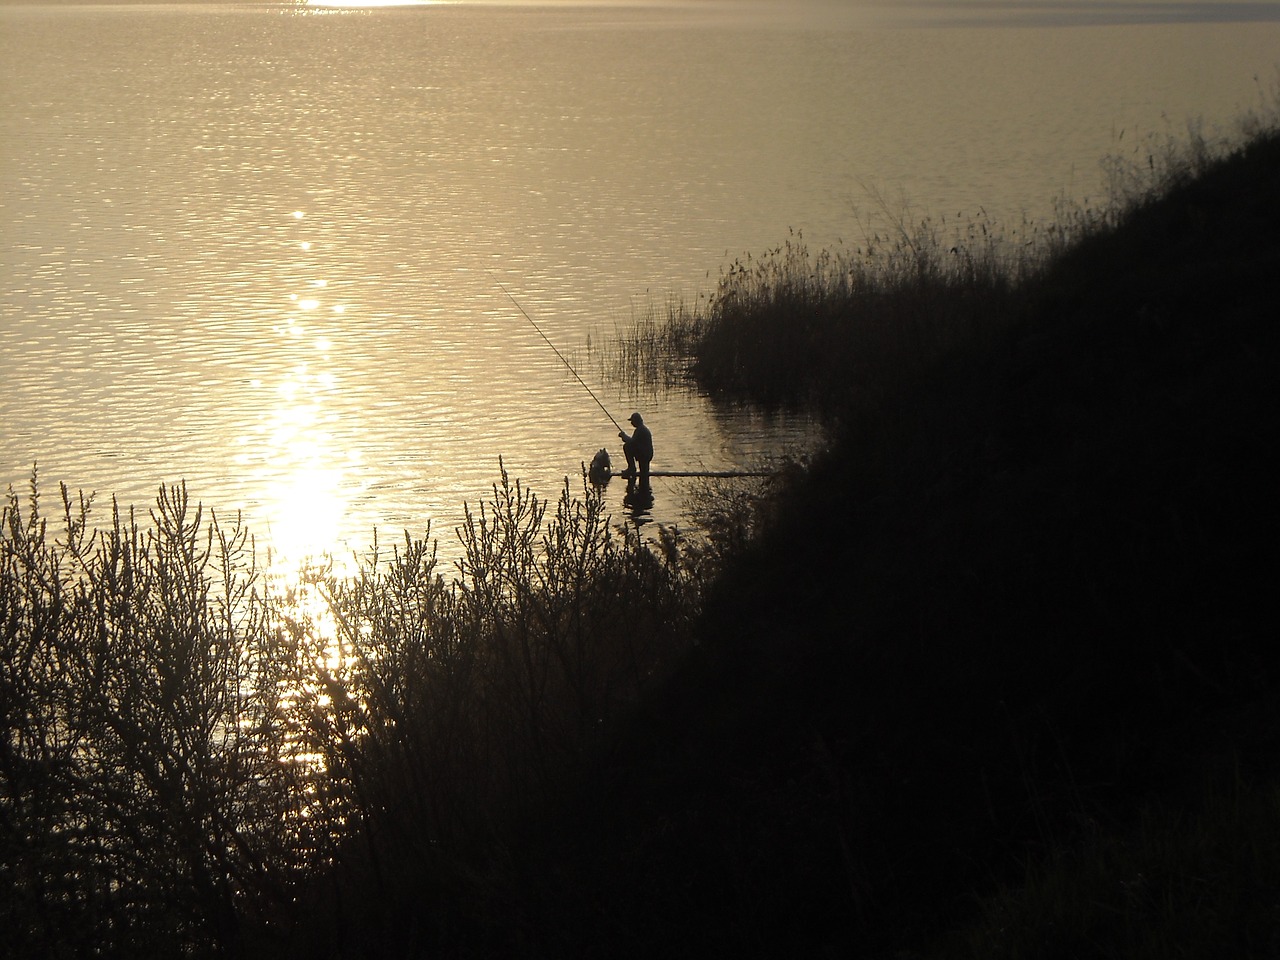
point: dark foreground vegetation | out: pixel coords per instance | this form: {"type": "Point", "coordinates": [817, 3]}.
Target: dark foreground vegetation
{"type": "Point", "coordinates": [995, 676]}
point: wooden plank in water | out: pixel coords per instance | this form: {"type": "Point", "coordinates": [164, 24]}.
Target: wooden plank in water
{"type": "Point", "coordinates": [702, 473]}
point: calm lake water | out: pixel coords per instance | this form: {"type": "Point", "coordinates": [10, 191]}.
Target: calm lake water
{"type": "Point", "coordinates": [259, 247]}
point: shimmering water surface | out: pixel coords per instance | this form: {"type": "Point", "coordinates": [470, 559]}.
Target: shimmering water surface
{"type": "Point", "coordinates": [259, 247]}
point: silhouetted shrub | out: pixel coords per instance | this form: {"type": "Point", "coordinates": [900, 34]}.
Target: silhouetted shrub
{"type": "Point", "coordinates": [189, 748]}
{"type": "Point", "coordinates": [445, 710]}
{"type": "Point", "coordinates": [145, 795]}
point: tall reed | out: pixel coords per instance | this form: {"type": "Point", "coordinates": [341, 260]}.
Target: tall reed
{"type": "Point", "coordinates": [845, 328]}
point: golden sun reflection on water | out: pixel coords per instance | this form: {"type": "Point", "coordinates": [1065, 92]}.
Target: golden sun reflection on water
{"type": "Point", "coordinates": [294, 452]}
{"type": "Point", "coordinates": [305, 477]}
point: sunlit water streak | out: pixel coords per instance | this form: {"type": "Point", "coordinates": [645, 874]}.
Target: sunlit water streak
{"type": "Point", "coordinates": [256, 247]}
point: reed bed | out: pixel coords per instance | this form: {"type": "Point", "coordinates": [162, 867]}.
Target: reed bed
{"type": "Point", "coordinates": [844, 328]}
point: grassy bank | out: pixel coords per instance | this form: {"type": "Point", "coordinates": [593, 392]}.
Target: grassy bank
{"type": "Point", "coordinates": [1021, 603]}
{"type": "Point", "coordinates": [995, 676]}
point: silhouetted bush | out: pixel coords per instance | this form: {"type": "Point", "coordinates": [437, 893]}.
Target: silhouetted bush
{"type": "Point", "coordinates": [147, 800]}
{"type": "Point", "coordinates": [193, 757]}
{"type": "Point", "coordinates": [445, 711]}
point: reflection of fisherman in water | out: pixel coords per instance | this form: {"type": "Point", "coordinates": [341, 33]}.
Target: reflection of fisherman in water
{"type": "Point", "coordinates": [638, 448]}
{"type": "Point", "coordinates": [638, 500]}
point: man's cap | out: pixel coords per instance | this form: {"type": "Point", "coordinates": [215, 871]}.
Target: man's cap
{"type": "Point", "coordinates": [635, 418]}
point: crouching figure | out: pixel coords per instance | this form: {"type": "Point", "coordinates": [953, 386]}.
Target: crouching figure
{"type": "Point", "coordinates": [638, 448]}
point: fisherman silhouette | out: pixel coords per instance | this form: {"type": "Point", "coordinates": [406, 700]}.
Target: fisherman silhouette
{"type": "Point", "coordinates": [638, 448]}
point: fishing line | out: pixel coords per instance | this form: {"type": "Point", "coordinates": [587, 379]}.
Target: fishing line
{"type": "Point", "coordinates": [557, 352]}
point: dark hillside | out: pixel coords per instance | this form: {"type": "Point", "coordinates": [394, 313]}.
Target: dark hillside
{"type": "Point", "coordinates": [1040, 602]}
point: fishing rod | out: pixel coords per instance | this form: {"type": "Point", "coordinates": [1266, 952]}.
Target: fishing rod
{"type": "Point", "coordinates": [557, 352]}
